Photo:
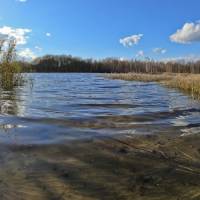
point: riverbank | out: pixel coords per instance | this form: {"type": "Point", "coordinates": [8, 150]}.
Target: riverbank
{"type": "Point", "coordinates": [189, 83]}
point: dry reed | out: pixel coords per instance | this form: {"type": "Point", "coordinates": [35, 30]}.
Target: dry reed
{"type": "Point", "coordinates": [189, 83]}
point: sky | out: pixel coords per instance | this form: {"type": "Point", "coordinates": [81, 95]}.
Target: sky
{"type": "Point", "coordinates": [124, 29]}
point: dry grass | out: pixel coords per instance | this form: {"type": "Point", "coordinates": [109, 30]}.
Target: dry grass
{"type": "Point", "coordinates": [189, 83]}
{"type": "Point", "coordinates": [142, 77]}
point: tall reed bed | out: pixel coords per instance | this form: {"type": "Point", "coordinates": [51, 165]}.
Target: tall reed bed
{"type": "Point", "coordinates": [141, 77]}
{"type": "Point", "coordinates": [189, 83]}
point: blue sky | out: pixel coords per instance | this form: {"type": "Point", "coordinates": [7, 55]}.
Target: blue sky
{"type": "Point", "coordinates": [94, 28]}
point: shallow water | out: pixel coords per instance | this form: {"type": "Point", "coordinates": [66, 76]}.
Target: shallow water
{"type": "Point", "coordinates": [52, 134]}
{"type": "Point", "coordinates": [60, 107]}
{"type": "Point", "coordinates": [55, 108]}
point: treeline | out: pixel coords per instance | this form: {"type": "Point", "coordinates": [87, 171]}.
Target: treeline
{"type": "Point", "coordinates": [63, 63]}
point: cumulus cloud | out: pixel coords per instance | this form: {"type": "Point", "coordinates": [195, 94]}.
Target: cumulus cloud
{"type": "Point", "coordinates": [140, 53]}
{"type": "Point", "coordinates": [130, 40]}
{"type": "Point", "coordinates": [19, 34]}
{"type": "Point", "coordinates": [27, 54]}
{"type": "Point", "coordinates": [3, 36]}
{"type": "Point", "coordinates": [159, 50]}
{"type": "Point", "coordinates": [190, 32]}
{"type": "Point", "coordinates": [48, 34]}
{"type": "Point", "coordinates": [22, 1]}
{"type": "Point", "coordinates": [38, 48]}
{"type": "Point", "coordinates": [122, 59]}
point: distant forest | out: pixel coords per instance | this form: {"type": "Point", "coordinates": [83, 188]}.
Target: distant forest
{"type": "Point", "coordinates": [63, 63]}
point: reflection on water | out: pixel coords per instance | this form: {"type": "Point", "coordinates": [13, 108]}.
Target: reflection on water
{"type": "Point", "coordinates": [52, 137]}
{"type": "Point", "coordinates": [62, 107]}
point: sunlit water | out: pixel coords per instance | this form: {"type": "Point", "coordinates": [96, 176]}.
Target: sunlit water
{"type": "Point", "coordinates": [52, 132]}
{"type": "Point", "coordinates": [56, 108]}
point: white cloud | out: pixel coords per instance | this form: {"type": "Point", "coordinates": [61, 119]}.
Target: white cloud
{"type": "Point", "coordinates": [159, 50]}
{"type": "Point", "coordinates": [122, 59]}
{"type": "Point", "coordinates": [38, 48]}
{"type": "Point", "coordinates": [190, 32]}
{"type": "Point", "coordinates": [183, 59]}
{"type": "Point", "coordinates": [19, 34]}
{"type": "Point", "coordinates": [131, 40]}
{"type": "Point", "coordinates": [22, 1]}
{"type": "Point", "coordinates": [140, 53]}
{"type": "Point", "coordinates": [2, 36]}
{"type": "Point", "coordinates": [48, 34]}
{"type": "Point", "coordinates": [26, 54]}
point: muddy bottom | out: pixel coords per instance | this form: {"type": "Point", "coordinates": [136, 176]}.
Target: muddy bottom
{"type": "Point", "coordinates": [139, 167]}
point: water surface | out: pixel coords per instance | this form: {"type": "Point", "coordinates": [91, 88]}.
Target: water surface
{"type": "Point", "coordinates": [60, 107]}
{"type": "Point", "coordinates": [60, 135]}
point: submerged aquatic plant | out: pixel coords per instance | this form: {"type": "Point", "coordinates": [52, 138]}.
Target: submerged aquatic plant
{"type": "Point", "coordinates": [10, 75]}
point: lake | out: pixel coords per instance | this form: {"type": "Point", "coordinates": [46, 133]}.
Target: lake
{"type": "Point", "coordinates": [51, 129]}
{"type": "Point", "coordinates": [56, 108]}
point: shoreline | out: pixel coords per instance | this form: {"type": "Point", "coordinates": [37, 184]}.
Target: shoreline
{"type": "Point", "coordinates": [188, 83]}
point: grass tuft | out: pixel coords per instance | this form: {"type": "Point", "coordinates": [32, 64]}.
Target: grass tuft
{"type": "Point", "coordinates": [10, 70]}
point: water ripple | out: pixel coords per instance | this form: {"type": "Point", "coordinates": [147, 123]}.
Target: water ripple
{"type": "Point", "coordinates": [62, 107]}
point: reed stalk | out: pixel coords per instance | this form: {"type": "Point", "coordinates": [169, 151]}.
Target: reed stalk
{"type": "Point", "coordinates": [189, 83]}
